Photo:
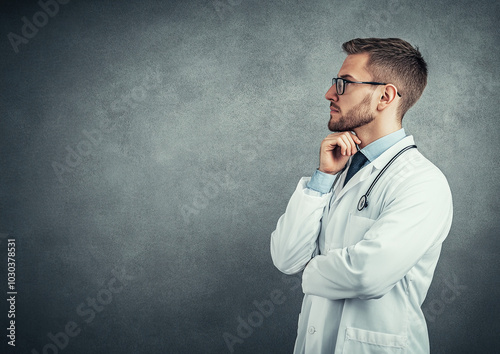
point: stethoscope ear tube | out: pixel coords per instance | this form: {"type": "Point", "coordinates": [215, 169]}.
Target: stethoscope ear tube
{"type": "Point", "coordinates": [363, 201]}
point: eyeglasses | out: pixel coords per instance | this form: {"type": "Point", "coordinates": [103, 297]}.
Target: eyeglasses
{"type": "Point", "coordinates": [340, 84]}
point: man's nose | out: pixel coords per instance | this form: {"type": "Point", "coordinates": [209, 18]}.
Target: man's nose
{"type": "Point", "coordinates": [331, 94]}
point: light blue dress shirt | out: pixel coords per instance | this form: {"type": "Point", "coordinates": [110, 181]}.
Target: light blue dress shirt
{"type": "Point", "coordinates": [322, 182]}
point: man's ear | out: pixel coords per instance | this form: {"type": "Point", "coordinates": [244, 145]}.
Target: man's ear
{"type": "Point", "coordinates": [388, 97]}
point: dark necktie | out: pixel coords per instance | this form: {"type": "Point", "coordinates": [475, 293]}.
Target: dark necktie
{"type": "Point", "coordinates": [358, 160]}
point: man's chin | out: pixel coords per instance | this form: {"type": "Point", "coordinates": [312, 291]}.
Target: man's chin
{"type": "Point", "coordinates": [337, 129]}
{"type": "Point", "coordinates": [336, 126]}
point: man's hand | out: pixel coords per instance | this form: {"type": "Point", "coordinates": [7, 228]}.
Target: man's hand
{"type": "Point", "coordinates": [335, 151]}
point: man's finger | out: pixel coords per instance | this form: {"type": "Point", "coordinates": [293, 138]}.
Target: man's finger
{"type": "Point", "coordinates": [356, 139]}
{"type": "Point", "coordinates": [345, 139]}
{"type": "Point", "coordinates": [352, 144]}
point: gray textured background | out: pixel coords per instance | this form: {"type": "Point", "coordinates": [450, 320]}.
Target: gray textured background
{"type": "Point", "coordinates": [203, 115]}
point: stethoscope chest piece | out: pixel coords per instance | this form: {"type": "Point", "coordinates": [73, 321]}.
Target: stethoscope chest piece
{"type": "Point", "coordinates": [363, 202]}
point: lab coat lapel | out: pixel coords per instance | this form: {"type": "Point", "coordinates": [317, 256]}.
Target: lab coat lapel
{"type": "Point", "coordinates": [362, 174]}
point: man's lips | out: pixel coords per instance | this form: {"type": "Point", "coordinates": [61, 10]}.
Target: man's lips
{"type": "Point", "coordinates": [334, 109]}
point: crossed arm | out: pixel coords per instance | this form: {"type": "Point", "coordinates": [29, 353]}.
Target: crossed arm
{"type": "Point", "coordinates": [414, 222]}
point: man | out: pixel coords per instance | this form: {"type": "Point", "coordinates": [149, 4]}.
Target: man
{"type": "Point", "coordinates": [369, 242]}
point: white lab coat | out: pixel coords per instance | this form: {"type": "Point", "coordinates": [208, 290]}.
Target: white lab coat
{"type": "Point", "coordinates": [366, 273]}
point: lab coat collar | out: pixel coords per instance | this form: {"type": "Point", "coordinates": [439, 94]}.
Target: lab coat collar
{"type": "Point", "coordinates": [383, 159]}
{"type": "Point", "coordinates": [367, 170]}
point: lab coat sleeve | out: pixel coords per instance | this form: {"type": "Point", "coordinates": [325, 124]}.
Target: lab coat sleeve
{"type": "Point", "coordinates": [416, 217]}
{"type": "Point", "coordinates": [294, 242]}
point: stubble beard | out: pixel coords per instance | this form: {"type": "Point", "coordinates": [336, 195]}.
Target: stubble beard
{"type": "Point", "coordinates": [356, 117]}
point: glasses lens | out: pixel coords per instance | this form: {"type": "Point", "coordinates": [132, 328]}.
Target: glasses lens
{"type": "Point", "coordinates": [340, 86]}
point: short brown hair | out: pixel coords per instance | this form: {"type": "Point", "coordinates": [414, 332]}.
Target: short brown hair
{"type": "Point", "coordinates": [394, 61]}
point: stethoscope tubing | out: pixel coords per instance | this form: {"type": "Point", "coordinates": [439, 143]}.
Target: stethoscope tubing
{"type": "Point", "coordinates": [363, 201]}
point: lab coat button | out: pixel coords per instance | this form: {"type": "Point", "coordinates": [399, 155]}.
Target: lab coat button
{"type": "Point", "coordinates": [312, 330]}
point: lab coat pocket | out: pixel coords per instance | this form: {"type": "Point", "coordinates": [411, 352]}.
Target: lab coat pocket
{"type": "Point", "coordinates": [361, 341]}
{"type": "Point", "coordinates": [357, 226]}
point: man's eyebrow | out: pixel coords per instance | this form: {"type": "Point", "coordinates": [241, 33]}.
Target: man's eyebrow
{"type": "Point", "coordinates": [347, 76]}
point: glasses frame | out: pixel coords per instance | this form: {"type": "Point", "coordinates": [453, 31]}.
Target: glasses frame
{"type": "Point", "coordinates": [336, 83]}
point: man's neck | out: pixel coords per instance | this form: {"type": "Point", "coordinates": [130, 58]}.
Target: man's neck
{"type": "Point", "coordinates": [372, 131]}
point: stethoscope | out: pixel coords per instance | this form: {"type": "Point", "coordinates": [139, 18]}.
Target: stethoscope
{"type": "Point", "coordinates": [363, 201]}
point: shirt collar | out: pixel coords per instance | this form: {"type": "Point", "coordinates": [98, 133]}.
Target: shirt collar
{"type": "Point", "coordinates": [377, 148]}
